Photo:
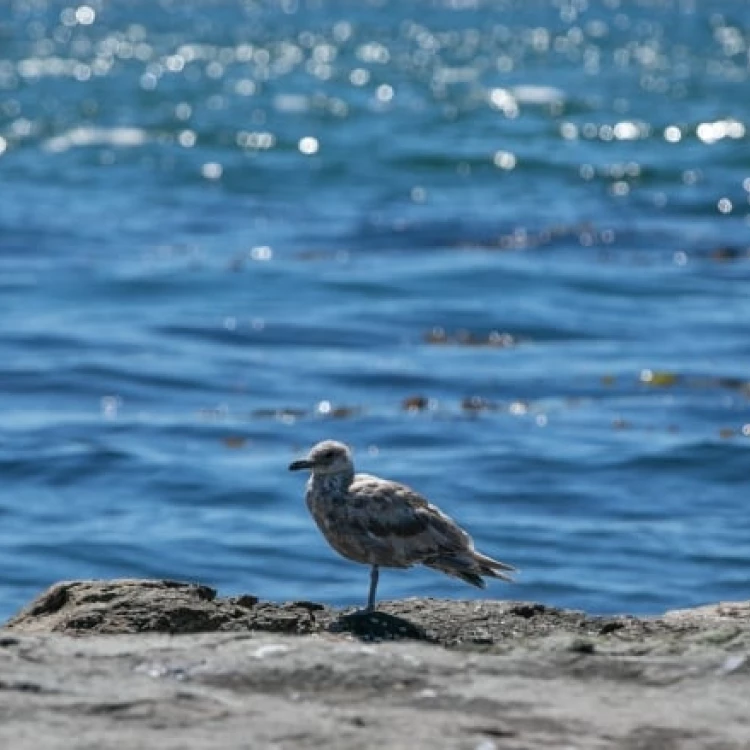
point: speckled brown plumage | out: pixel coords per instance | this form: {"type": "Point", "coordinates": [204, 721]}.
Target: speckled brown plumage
{"type": "Point", "coordinates": [382, 523]}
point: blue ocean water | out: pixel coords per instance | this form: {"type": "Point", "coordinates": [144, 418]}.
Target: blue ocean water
{"type": "Point", "coordinates": [501, 248]}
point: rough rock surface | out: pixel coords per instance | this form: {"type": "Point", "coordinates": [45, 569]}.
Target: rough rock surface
{"type": "Point", "coordinates": [191, 670]}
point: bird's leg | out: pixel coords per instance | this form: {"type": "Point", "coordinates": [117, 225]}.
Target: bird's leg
{"type": "Point", "coordinates": [374, 573]}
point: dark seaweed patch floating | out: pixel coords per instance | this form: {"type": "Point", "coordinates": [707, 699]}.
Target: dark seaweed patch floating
{"type": "Point", "coordinates": [729, 432]}
{"type": "Point", "coordinates": [234, 442]}
{"type": "Point", "coordinates": [278, 413]}
{"type": "Point", "coordinates": [322, 409]}
{"type": "Point", "coordinates": [659, 378]}
{"type": "Point", "coordinates": [666, 379]}
{"type": "Point", "coordinates": [327, 409]}
{"type": "Point", "coordinates": [415, 403]}
{"type": "Point", "coordinates": [476, 404]}
{"type": "Point", "coordinates": [727, 253]}
{"type": "Point", "coordinates": [462, 337]}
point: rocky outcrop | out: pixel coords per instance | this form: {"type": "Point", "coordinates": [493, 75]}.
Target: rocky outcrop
{"type": "Point", "coordinates": [189, 669]}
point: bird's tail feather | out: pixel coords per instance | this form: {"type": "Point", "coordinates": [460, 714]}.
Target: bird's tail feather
{"type": "Point", "coordinates": [472, 567]}
{"type": "Point", "coordinates": [474, 579]}
{"type": "Point", "coordinates": [494, 568]}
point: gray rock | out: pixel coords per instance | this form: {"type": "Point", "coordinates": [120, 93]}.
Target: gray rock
{"type": "Point", "coordinates": [243, 673]}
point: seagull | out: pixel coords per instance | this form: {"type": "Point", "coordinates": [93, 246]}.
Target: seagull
{"type": "Point", "coordinates": [381, 523]}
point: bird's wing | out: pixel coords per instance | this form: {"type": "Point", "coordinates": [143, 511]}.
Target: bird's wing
{"type": "Point", "coordinates": [403, 521]}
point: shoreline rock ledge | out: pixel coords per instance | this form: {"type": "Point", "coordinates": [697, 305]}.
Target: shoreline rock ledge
{"type": "Point", "coordinates": [141, 663]}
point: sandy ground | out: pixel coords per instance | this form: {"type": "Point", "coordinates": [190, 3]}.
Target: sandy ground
{"type": "Point", "coordinates": [145, 664]}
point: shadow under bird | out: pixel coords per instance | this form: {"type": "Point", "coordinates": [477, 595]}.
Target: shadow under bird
{"type": "Point", "coordinates": [381, 523]}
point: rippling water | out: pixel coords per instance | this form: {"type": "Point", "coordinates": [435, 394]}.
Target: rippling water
{"type": "Point", "coordinates": [499, 247]}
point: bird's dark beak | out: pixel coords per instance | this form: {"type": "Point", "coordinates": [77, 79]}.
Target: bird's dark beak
{"type": "Point", "coordinates": [301, 464]}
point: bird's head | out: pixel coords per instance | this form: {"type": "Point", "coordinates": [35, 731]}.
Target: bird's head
{"type": "Point", "coordinates": [328, 457]}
